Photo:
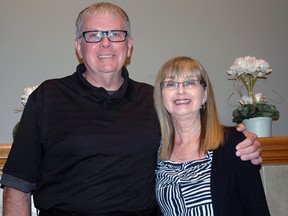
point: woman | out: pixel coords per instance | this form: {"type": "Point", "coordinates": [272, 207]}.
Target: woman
{"type": "Point", "coordinates": [198, 172]}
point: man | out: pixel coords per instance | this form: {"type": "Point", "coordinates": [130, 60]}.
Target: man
{"type": "Point", "coordinates": [87, 143]}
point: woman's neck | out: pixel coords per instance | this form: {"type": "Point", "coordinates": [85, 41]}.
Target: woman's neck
{"type": "Point", "coordinates": [186, 142]}
{"type": "Point", "coordinates": [187, 128]}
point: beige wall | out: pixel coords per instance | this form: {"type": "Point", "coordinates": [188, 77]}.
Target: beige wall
{"type": "Point", "coordinates": [37, 43]}
{"type": "Point", "coordinates": [275, 178]}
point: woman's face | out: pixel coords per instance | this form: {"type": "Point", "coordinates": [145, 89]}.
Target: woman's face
{"type": "Point", "coordinates": [183, 96]}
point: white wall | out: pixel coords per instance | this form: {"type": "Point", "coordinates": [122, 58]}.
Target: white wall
{"type": "Point", "coordinates": [37, 43]}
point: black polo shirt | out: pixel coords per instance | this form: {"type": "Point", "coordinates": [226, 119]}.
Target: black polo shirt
{"type": "Point", "coordinates": [80, 149]}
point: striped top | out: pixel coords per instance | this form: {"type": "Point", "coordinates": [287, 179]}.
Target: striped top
{"type": "Point", "coordinates": [184, 188]}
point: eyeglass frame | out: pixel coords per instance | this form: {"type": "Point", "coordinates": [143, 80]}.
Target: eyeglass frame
{"type": "Point", "coordinates": [107, 33]}
{"type": "Point", "coordinates": [202, 83]}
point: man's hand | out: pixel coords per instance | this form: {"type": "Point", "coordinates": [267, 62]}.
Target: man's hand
{"type": "Point", "coordinates": [250, 148]}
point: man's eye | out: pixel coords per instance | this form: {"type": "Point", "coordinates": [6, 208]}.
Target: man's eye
{"type": "Point", "coordinates": [114, 34]}
{"type": "Point", "coordinates": [94, 35]}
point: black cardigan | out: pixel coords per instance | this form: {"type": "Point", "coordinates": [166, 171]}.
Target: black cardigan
{"type": "Point", "coordinates": [236, 185]}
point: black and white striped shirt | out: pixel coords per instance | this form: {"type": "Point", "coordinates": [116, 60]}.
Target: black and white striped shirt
{"type": "Point", "coordinates": [184, 188]}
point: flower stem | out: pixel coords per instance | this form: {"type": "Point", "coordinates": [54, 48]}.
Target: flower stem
{"type": "Point", "coordinates": [249, 82]}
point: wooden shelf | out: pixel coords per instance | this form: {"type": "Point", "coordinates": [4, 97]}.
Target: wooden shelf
{"type": "Point", "coordinates": [4, 151]}
{"type": "Point", "coordinates": [274, 151]}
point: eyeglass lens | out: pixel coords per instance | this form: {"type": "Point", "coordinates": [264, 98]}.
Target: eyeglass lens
{"type": "Point", "coordinates": [186, 84]}
{"type": "Point", "coordinates": [112, 35]}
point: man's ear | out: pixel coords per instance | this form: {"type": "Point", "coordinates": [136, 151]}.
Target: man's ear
{"type": "Point", "coordinates": [130, 45]}
{"type": "Point", "coordinates": [77, 44]}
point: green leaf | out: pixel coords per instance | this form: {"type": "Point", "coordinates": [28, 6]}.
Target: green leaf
{"type": "Point", "coordinates": [255, 110]}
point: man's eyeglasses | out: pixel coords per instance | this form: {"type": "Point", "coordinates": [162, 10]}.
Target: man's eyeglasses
{"type": "Point", "coordinates": [112, 35]}
{"type": "Point", "coordinates": [190, 84]}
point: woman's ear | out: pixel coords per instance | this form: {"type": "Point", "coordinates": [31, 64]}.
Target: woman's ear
{"type": "Point", "coordinates": [204, 99]}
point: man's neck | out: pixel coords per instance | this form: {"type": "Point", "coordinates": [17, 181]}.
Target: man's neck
{"type": "Point", "coordinates": [110, 82]}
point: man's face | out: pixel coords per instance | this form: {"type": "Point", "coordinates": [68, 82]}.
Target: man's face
{"type": "Point", "coordinates": [104, 56]}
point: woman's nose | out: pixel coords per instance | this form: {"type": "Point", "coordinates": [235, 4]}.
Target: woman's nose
{"type": "Point", "coordinates": [181, 88]}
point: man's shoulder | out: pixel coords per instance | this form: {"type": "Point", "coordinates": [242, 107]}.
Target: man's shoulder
{"type": "Point", "coordinates": [54, 81]}
{"type": "Point", "coordinates": [142, 85]}
{"type": "Point", "coordinates": [52, 86]}
{"type": "Point", "coordinates": [140, 91]}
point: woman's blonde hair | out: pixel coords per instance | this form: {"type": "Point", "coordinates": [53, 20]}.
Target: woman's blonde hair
{"type": "Point", "coordinates": [212, 132]}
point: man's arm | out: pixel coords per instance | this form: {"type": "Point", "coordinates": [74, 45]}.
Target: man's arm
{"type": "Point", "coordinates": [16, 202]}
{"type": "Point", "coordinates": [250, 148]}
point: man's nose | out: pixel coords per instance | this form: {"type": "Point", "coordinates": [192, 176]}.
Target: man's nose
{"type": "Point", "coordinates": [105, 42]}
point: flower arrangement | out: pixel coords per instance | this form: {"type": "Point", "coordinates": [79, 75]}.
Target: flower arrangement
{"type": "Point", "coordinates": [247, 70]}
{"type": "Point", "coordinates": [24, 98]}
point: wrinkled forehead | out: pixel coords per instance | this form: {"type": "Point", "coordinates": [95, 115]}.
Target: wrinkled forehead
{"type": "Point", "coordinates": [108, 16]}
{"type": "Point", "coordinates": [103, 12]}
{"type": "Point", "coordinates": [94, 19]}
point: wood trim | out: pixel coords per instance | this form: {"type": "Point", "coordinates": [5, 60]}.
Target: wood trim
{"type": "Point", "coordinates": [4, 151]}
{"type": "Point", "coordinates": [274, 151]}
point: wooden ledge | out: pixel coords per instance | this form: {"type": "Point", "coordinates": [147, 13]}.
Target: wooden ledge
{"type": "Point", "coordinates": [4, 151]}
{"type": "Point", "coordinates": [274, 151]}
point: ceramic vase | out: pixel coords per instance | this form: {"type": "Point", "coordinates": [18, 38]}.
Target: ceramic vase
{"type": "Point", "coordinates": [261, 126]}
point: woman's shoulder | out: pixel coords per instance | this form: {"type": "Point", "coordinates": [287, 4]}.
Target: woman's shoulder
{"type": "Point", "coordinates": [231, 138]}
{"type": "Point", "coordinates": [232, 135]}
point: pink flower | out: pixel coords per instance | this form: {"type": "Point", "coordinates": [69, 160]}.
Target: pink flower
{"type": "Point", "coordinates": [249, 66]}
{"type": "Point", "coordinates": [258, 97]}
{"type": "Point", "coordinates": [246, 100]}
{"type": "Point", "coordinates": [27, 92]}
{"type": "Point", "coordinates": [263, 67]}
